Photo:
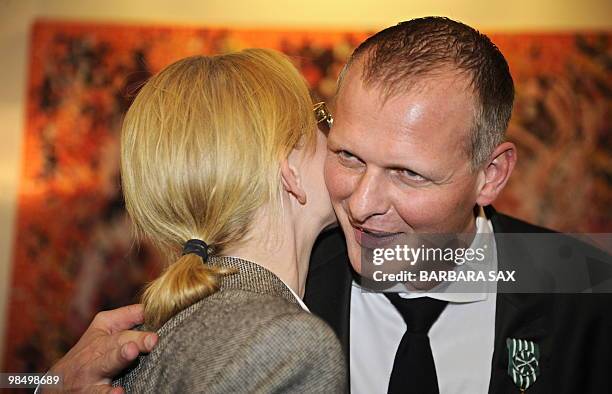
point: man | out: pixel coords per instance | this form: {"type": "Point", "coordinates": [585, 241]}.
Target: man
{"type": "Point", "coordinates": [417, 146]}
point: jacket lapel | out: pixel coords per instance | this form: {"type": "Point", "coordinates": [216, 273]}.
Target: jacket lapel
{"type": "Point", "coordinates": [328, 287]}
{"type": "Point", "coordinates": [519, 316]}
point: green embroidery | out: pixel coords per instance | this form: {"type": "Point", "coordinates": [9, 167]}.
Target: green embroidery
{"type": "Point", "coordinates": [523, 362]}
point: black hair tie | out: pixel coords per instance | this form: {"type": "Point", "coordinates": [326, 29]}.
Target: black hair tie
{"type": "Point", "coordinates": [196, 246]}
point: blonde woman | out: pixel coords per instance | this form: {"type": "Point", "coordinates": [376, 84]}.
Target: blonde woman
{"type": "Point", "coordinates": [222, 169]}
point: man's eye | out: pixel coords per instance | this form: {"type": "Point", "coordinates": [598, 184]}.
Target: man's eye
{"type": "Point", "coordinates": [345, 155]}
{"type": "Point", "coordinates": [410, 175]}
{"type": "Point", "coordinates": [347, 158]}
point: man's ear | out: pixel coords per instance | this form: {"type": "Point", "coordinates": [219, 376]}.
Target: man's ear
{"type": "Point", "coordinates": [497, 172]}
{"type": "Point", "coordinates": [291, 181]}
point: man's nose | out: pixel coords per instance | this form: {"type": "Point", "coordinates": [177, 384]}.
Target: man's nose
{"type": "Point", "coordinates": [369, 197]}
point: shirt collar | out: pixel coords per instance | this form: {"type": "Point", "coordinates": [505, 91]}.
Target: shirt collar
{"type": "Point", "coordinates": [484, 232]}
{"type": "Point", "coordinates": [297, 297]}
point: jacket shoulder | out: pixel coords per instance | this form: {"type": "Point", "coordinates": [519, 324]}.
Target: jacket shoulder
{"type": "Point", "coordinates": [503, 223]}
{"type": "Point", "coordinates": [265, 344]}
{"type": "Point", "coordinates": [240, 341]}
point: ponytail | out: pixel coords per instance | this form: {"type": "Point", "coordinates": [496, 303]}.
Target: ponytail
{"type": "Point", "coordinates": [182, 284]}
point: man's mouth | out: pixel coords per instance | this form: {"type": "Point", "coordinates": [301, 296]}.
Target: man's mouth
{"type": "Point", "coordinates": [372, 239]}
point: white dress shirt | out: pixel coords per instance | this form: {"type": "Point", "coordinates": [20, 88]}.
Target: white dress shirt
{"type": "Point", "coordinates": [297, 297]}
{"type": "Point", "coordinates": [461, 339]}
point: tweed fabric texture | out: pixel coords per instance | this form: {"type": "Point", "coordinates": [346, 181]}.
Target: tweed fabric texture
{"type": "Point", "coordinates": [249, 337]}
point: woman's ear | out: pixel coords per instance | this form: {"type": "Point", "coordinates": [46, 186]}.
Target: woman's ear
{"type": "Point", "coordinates": [497, 172]}
{"type": "Point", "coordinates": [291, 181]}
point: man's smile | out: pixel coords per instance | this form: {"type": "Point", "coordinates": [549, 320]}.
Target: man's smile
{"type": "Point", "coordinates": [371, 238]}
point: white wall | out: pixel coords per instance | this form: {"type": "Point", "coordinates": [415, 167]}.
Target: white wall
{"type": "Point", "coordinates": [16, 17]}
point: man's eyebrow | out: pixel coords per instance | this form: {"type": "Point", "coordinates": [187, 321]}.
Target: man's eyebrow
{"type": "Point", "coordinates": [349, 151]}
{"type": "Point", "coordinates": [333, 140]}
{"type": "Point", "coordinates": [336, 146]}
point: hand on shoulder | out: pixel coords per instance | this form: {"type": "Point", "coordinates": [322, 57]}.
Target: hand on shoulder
{"type": "Point", "coordinates": [107, 347]}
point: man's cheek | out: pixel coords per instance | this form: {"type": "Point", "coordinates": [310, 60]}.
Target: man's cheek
{"type": "Point", "coordinates": [338, 183]}
{"type": "Point", "coordinates": [421, 209]}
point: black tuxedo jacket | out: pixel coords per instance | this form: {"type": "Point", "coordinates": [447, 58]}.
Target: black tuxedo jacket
{"type": "Point", "coordinates": [573, 331]}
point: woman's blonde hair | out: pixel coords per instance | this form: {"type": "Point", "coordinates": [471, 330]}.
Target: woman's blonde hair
{"type": "Point", "coordinates": [201, 148]}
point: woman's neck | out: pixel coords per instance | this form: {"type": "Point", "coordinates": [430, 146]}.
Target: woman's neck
{"type": "Point", "coordinates": [283, 248]}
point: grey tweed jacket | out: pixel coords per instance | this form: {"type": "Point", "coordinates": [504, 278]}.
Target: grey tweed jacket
{"type": "Point", "coordinates": [249, 337]}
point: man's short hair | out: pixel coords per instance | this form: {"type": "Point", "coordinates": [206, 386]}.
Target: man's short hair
{"type": "Point", "coordinates": [401, 55]}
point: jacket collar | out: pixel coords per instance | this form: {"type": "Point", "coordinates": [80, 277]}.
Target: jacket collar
{"type": "Point", "coordinates": [520, 316]}
{"type": "Point", "coordinates": [328, 287]}
{"type": "Point", "coordinates": [251, 277]}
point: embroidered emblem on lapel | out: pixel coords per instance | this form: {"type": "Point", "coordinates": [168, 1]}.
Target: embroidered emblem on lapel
{"type": "Point", "coordinates": [523, 362]}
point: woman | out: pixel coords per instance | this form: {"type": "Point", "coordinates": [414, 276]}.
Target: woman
{"type": "Point", "coordinates": [222, 169]}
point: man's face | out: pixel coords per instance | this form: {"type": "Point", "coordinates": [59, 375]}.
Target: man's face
{"type": "Point", "coordinates": [400, 166]}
